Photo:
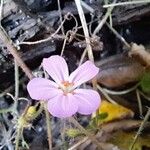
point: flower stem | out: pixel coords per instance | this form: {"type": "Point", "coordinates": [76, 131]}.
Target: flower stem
{"type": "Point", "coordinates": [48, 127]}
{"type": "Point", "coordinates": [89, 135]}
{"type": "Point", "coordinates": [19, 130]}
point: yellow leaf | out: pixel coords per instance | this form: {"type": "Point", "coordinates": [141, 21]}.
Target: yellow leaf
{"type": "Point", "coordinates": [114, 111]}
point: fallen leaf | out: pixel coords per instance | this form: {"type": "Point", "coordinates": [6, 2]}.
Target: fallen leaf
{"type": "Point", "coordinates": [114, 112]}
{"type": "Point", "coordinates": [124, 139]}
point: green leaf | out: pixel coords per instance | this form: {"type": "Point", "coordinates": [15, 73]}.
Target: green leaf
{"type": "Point", "coordinates": [102, 116]}
{"type": "Point", "coordinates": [145, 82]}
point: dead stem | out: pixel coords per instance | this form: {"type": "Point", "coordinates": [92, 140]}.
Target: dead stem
{"type": "Point", "coordinates": [54, 35]}
{"type": "Point", "coordinates": [85, 29]}
{"type": "Point", "coordinates": [102, 22]}
{"type": "Point", "coordinates": [119, 36]}
{"type": "Point", "coordinates": [106, 95]}
{"type": "Point", "coordinates": [139, 102]}
{"type": "Point", "coordinates": [126, 3]}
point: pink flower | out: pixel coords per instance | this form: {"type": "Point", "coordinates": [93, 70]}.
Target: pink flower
{"type": "Point", "coordinates": [63, 96]}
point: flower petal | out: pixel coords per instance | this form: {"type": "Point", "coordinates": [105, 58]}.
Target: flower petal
{"type": "Point", "coordinates": [88, 100]}
{"type": "Point", "coordinates": [57, 68]}
{"type": "Point", "coordinates": [63, 106]}
{"type": "Point", "coordinates": [42, 89]}
{"type": "Point", "coordinates": [84, 73]}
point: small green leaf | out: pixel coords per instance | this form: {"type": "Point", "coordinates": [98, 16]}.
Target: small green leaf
{"type": "Point", "coordinates": [73, 132]}
{"type": "Point", "coordinates": [145, 82]}
{"type": "Point", "coordinates": [102, 116]}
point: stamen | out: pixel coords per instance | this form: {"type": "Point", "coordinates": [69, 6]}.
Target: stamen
{"type": "Point", "coordinates": [67, 87]}
{"type": "Point", "coordinates": [67, 84]}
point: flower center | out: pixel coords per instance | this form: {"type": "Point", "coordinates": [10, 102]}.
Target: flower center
{"type": "Point", "coordinates": [67, 87]}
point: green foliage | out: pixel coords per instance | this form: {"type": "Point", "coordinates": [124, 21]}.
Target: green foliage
{"type": "Point", "coordinates": [72, 133]}
{"type": "Point", "coordinates": [98, 118]}
{"type": "Point", "coordinates": [145, 82]}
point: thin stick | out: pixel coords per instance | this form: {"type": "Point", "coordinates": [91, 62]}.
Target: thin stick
{"type": "Point", "coordinates": [140, 128]}
{"type": "Point", "coordinates": [102, 22]}
{"type": "Point", "coordinates": [1, 10]}
{"type": "Point", "coordinates": [16, 80]}
{"type": "Point", "coordinates": [64, 44]}
{"type": "Point", "coordinates": [85, 29]}
{"type": "Point", "coordinates": [82, 56]}
{"type": "Point", "coordinates": [121, 92]}
{"type": "Point", "coordinates": [78, 144]}
{"type": "Point", "coordinates": [119, 36]}
{"type": "Point", "coordinates": [10, 46]}
{"type": "Point", "coordinates": [54, 35]}
{"type": "Point", "coordinates": [106, 95]}
{"type": "Point", "coordinates": [139, 102]}
{"type": "Point", "coordinates": [126, 3]}
{"type": "Point", "coordinates": [145, 96]}
{"type": "Point", "coordinates": [86, 6]}
{"type": "Point", "coordinates": [87, 37]}
{"type": "Point", "coordinates": [60, 15]}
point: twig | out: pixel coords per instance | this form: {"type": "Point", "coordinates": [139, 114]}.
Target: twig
{"type": "Point", "coordinates": [145, 96]}
{"type": "Point", "coordinates": [64, 44]}
{"type": "Point", "coordinates": [102, 22]}
{"type": "Point", "coordinates": [106, 95]}
{"type": "Point", "coordinates": [75, 29]}
{"type": "Point", "coordinates": [82, 56]}
{"type": "Point", "coordinates": [121, 92]}
{"type": "Point", "coordinates": [10, 46]}
{"type": "Point", "coordinates": [140, 128]}
{"type": "Point", "coordinates": [119, 36]}
{"type": "Point", "coordinates": [60, 15]}
{"type": "Point", "coordinates": [126, 3]}
{"type": "Point", "coordinates": [85, 29]}
{"type": "Point", "coordinates": [54, 35]}
{"type": "Point", "coordinates": [87, 37]}
{"type": "Point", "coordinates": [1, 9]}
{"type": "Point", "coordinates": [139, 102]}
{"type": "Point", "coordinates": [86, 6]}
{"type": "Point", "coordinates": [16, 80]}
{"type": "Point", "coordinates": [78, 144]}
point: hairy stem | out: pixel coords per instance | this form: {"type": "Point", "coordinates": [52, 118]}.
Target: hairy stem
{"type": "Point", "coordinates": [19, 131]}
{"type": "Point", "coordinates": [48, 127]}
